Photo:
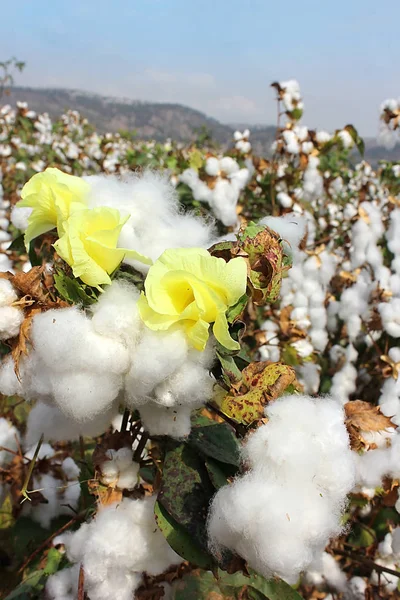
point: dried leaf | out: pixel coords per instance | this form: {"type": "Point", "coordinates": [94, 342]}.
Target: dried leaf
{"type": "Point", "coordinates": [262, 383]}
{"type": "Point", "coordinates": [364, 417]}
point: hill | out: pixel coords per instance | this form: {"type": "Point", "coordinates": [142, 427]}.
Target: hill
{"type": "Point", "coordinates": [152, 120]}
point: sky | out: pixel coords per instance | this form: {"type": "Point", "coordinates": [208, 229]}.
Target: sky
{"type": "Point", "coordinates": [217, 56]}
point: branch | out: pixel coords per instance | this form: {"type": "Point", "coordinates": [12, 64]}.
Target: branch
{"type": "Point", "coordinates": [367, 562]}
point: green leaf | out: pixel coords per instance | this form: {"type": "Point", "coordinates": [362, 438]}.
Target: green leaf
{"type": "Point", "coordinates": [186, 490]}
{"type": "Point", "coordinates": [216, 473]}
{"type": "Point", "coordinates": [274, 589]}
{"type": "Point", "coordinates": [235, 311]}
{"type": "Point", "coordinates": [180, 540]}
{"type": "Point", "coordinates": [18, 245]}
{"type": "Point", "coordinates": [229, 367]}
{"type": "Point", "coordinates": [362, 536]}
{"type": "Point", "coordinates": [29, 588]}
{"type": "Point", "coordinates": [72, 291]}
{"type": "Point", "coordinates": [217, 441]}
{"type": "Point", "coordinates": [198, 585]}
{"type": "Point", "coordinates": [196, 160]}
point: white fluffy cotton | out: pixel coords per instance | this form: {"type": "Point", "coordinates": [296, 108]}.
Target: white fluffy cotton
{"type": "Point", "coordinates": [297, 489]}
{"type": "Point", "coordinates": [121, 543]}
{"type": "Point", "coordinates": [119, 470]}
{"type": "Point", "coordinates": [9, 439]}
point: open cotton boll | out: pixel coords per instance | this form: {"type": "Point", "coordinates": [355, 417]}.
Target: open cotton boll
{"type": "Point", "coordinates": [161, 420]}
{"type": "Point", "coordinates": [113, 561]}
{"type": "Point", "coordinates": [7, 293]}
{"type": "Point", "coordinates": [115, 314]}
{"type": "Point", "coordinates": [20, 216]}
{"type": "Point", "coordinates": [325, 570]}
{"type": "Point", "coordinates": [11, 319]}
{"type": "Point", "coordinates": [298, 489]}
{"type": "Point", "coordinates": [5, 263]}
{"type": "Point", "coordinates": [63, 585]}
{"type": "Point", "coordinates": [55, 426]}
{"type": "Point", "coordinates": [61, 495]}
{"type": "Point", "coordinates": [9, 438]}
{"type": "Point", "coordinates": [72, 365]}
{"type": "Point", "coordinates": [291, 228]}
{"type": "Point", "coordinates": [156, 223]}
{"type": "Point", "coordinates": [120, 470]}
{"type": "Point", "coordinates": [157, 356]}
{"type": "Point", "coordinates": [212, 166]}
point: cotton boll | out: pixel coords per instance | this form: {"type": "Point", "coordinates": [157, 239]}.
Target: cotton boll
{"type": "Point", "coordinates": [297, 489]}
{"type": "Point", "coordinates": [65, 339]}
{"type": "Point", "coordinates": [63, 585]}
{"type": "Point", "coordinates": [5, 263]}
{"type": "Point", "coordinates": [113, 561]}
{"type": "Point", "coordinates": [189, 385]}
{"type": "Point", "coordinates": [228, 165]}
{"type": "Point", "coordinates": [356, 589]}
{"type": "Point", "coordinates": [157, 356]}
{"type": "Point", "coordinates": [212, 166]}
{"type": "Point", "coordinates": [116, 314]}
{"type": "Point", "coordinates": [84, 396]}
{"type": "Point", "coordinates": [120, 470]}
{"type": "Point", "coordinates": [7, 293]}
{"type": "Point", "coordinates": [56, 426]}
{"type": "Point", "coordinates": [20, 216]}
{"type": "Point", "coordinates": [284, 199]}
{"type": "Point", "coordinates": [160, 420]}
{"type": "Point", "coordinates": [309, 376]}
{"type": "Point", "coordinates": [303, 348]}
{"type": "Point", "coordinates": [325, 570]}
{"type": "Point", "coordinates": [9, 438]}
{"type": "Point", "coordinates": [290, 227]}
{"type": "Point", "coordinates": [11, 319]}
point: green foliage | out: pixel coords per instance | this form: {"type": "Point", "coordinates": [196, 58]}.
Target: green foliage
{"type": "Point", "coordinates": [72, 291]}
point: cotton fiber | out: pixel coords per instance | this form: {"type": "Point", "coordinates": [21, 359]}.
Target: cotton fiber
{"type": "Point", "coordinates": [297, 490]}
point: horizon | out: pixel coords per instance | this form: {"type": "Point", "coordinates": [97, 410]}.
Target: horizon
{"type": "Point", "coordinates": [216, 59]}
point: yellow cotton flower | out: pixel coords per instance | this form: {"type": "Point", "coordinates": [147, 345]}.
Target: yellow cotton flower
{"type": "Point", "coordinates": [89, 244]}
{"type": "Point", "coordinates": [51, 195]}
{"type": "Point", "coordinates": [189, 288]}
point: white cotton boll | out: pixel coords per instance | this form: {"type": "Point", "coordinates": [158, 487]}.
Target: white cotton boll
{"type": "Point", "coordinates": [152, 194]}
{"type": "Point", "coordinates": [212, 167]}
{"type": "Point", "coordinates": [290, 227]}
{"type": "Point", "coordinates": [20, 216]}
{"type": "Point", "coordinates": [291, 142]}
{"type": "Point", "coordinates": [346, 139]}
{"type": "Point", "coordinates": [322, 137]}
{"type": "Point", "coordinates": [225, 196]}
{"type": "Point", "coordinates": [319, 339]}
{"type": "Point", "coordinates": [191, 385]}
{"type": "Point", "coordinates": [390, 313]}
{"type": "Point", "coordinates": [70, 468]}
{"type": "Point", "coordinates": [7, 293]}
{"type": "Point", "coordinates": [11, 319]}
{"type": "Point", "coordinates": [157, 356]}
{"type": "Point", "coordinates": [56, 426]}
{"type": "Point", "coordinates": [303, 348]}
{"type": "Point", "coordinates": [325, 570]}
{"type": "Point", "coordinates": [386, 580]}
{"type": "Point", "coordinates": [115, 314]}
{"type": "Point", "coordinates": [396, 542]}
{"type": "Point", "coordinates": [120, 470]}
{"type": "Point", "coordinates": [309, 376]}
{"type": "Point", "coordinates": [300, 300]}
{"type": "Point", "coordinates": [63, 585]}
{"type": "Point", "coordinates": [161, 420]}
{"type": "Point", "coordinates": [9, 438]}
{"type": "Point", "coordinates": [65, 339]}
{"type": "Point", "coordinates": [284, 199]}
{"type": "Point", "coordinates": [297, 489]}
{"type": "Point", "coordinates": [9, 383]}
{"type": "Point", "coordinates": [5, 264]}
{"type": "Point", "coordinates": [114, 561]}
{"type": "Point", "coordinates": [307, 147]}
{"type": "Point", "coordinates": [355, 589]}
{"type": "Point", "coordinates": [84, 396]}
{"type": "Point", "coordinates": [228, 165]}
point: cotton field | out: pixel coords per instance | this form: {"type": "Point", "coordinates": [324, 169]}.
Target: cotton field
{"type": "Point", "coordinates": [199, 377]}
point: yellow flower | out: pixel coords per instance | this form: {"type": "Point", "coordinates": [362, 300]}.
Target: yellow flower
{"type": "Point", "coordinates": [189, 288]}
{"type": "Point", "coordinates": [89, 244]}
{"type": "Point", "coordinates": [51, 194]}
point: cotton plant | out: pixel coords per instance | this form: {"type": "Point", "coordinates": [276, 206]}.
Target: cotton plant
{"type": "Point", "coordinates": [210, 403]}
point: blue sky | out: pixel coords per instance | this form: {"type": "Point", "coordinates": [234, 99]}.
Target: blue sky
{"type": "Point", "coordinates": [218, 56]}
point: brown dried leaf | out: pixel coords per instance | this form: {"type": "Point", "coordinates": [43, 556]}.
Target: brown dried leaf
{"type": "Point", "coordinates": [364, 417]}
{"type": "Point", "coordinates": [20, 344]}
